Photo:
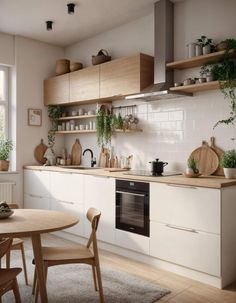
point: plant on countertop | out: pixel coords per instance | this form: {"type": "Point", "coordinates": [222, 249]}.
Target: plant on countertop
{"type": "Point", "coordinates": [6, 146]}
{"type": "Point", "coordinates": [192, 164]}
{"type": "Point", "coordinates": [54, 113]}
{"type": "Point", "coordinates": [229, 159]}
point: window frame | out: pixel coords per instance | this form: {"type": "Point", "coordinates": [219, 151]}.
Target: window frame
{"type": "Point", "coordinates": [6, 101]}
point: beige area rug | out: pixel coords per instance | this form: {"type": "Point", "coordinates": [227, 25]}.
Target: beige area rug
{"type": "Point", "coordinates": [74, 283]}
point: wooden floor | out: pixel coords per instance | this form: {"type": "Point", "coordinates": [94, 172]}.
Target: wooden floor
{"type": "Point", "coordinates": [183, 290]}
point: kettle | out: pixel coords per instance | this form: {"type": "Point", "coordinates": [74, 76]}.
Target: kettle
{"type": "Point", "coordinates": [158, 167]}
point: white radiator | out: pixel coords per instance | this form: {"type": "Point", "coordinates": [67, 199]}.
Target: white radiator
{"type": "Point", "coordinates": [6, 190]}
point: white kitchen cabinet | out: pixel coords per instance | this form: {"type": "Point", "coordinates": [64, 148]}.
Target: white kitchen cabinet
{"type": "Point", "coordinates": [132, 241]}
{"type": "Point", "coordinates": [100, 193]}
{"type": "Point", "coordinates": [36, 202]}
{"type": "Point", "coordinates": [67, 187]}
{"type": "Point", "coordinates": [37, 183]}
{"type": "Point", "coordinates": [74, 209]}
{"type": "Point", "coordinates": [193, 249]}
{"type": "Point", "coordinates": [187, 206]}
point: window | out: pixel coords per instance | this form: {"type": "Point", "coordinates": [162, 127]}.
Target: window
{"type": "Point", "coordinates": [4, 101]}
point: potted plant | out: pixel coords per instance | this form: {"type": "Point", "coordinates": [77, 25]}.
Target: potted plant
{"type": "Point", "coordinates": [228, 162]}
{"type": "Point", "coordinates": [206, 71]}
{"type": "Point", "coordinates": [54, 113]}
{"type": "Point", "coordinates": [206, 44]}
{"type": "Point", "coordinates": [192, 167]}
{"type": "Point", "coordinates": [6, 147]}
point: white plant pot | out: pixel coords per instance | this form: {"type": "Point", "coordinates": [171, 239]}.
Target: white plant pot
{"type": "Point", "coordinates": [230, 173]}
{"type": "Point", "coordinates": [206, 49]}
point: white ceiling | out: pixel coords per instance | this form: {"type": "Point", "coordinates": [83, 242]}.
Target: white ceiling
{"type": "Point", "coordinates": [27, 18]}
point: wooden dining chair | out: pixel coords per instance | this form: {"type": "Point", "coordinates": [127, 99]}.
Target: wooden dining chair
{"type": "Point", "coordinates": [8, 280]}
{"type": "Point", "coordinates": [77, 254]}
{"type": "Point", "coordinates": [17, 244]}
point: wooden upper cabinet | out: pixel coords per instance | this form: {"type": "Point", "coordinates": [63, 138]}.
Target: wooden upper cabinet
{"type": "Point", "coordinates": [126, 76]}
{"type": "Point", "coordinates": [84, 84]}
{"type": "Point", "coordinates": [56, 90]}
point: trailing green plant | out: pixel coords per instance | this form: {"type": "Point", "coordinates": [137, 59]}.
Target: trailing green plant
{"type": "Point", "coordinates": [6, 146]}
{"type": "Point", "coordinates": [229, 159]}
{"type": "Point", "coordinates": [192, 163]}
{"type": "Point", "coordinates": [104, 121]}
{"type": "Point", "coordinates": [54, 113]}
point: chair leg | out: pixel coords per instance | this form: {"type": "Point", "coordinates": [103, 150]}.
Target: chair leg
{"type": "Point", "coordinates": [94, 278]}
{"type": "Point", "coordinates": [8, 259]}
{"type": "Point", "coordinates": [99, 279]}
{"type": "Point", "coordinates": [24, 262]}
{"type": "Point", "coordinates": [16, 291]}
{"type": "Point", "coordinates": [34, 282]}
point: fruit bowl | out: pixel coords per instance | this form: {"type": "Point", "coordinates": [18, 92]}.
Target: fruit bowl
{"type": "Point", "coordinates": [6, 214]}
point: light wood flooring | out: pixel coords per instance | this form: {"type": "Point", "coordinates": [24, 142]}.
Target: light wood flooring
{"type": "Point", "coordinates": [183, 290]}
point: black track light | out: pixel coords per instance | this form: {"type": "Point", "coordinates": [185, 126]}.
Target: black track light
{"type": "Point", "coordinates": [49, 25]}
{"type": "Point", "coordinates": [71, 8]}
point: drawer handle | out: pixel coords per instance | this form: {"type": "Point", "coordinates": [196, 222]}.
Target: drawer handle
{"type": "Point", "coordinates": [65, 202]}
{"type": "Point", "coordinates": [179, 185]}
{"type": "Point", "coordinates": [35, 196]}
{"type": "Point", "coordinates": [191, 230]}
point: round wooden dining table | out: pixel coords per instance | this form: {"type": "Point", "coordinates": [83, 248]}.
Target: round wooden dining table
{"type": "Point", "coordinates": [32, 223]}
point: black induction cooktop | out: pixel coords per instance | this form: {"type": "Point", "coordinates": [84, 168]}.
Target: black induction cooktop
{"type": "Point", "coordinates": [147, 173]}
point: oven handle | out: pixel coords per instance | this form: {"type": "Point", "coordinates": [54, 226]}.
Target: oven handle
{"type": "Point", "coordinates": [128, 193]}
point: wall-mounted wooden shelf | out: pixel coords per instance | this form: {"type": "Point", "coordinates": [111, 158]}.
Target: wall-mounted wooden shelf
{"type": "Point", "coordinates": [77, 117]}
{"type": "Point", "coordinates": [193, 88]}
{"type": "Point", "coordinates": [138, 130]}
{"type": "Point", "coordinates": [198, 60]}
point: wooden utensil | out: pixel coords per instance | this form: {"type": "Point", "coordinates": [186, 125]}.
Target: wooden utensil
{"type": "Point", "coordinates": [113, 169]}
{"type": "Point", "coordinates": [104, 157]}
{"type": "Point", "coordinates": [207, 159]}
{"type": "Point", "coordinates": [220, 153]}
{"type": "Point", "coordinates": [76, 153]}
{"type": "Point", "coordinates": [39, 152]}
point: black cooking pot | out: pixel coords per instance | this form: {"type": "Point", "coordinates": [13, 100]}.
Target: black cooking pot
{"type": "Point", "coordinates": [157, 167]}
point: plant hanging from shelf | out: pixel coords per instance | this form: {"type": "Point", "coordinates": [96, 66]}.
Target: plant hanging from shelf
{"type": "Point", "coordinates": [54, 113]}
{"type": "Point", "coordinates": [104, 126]}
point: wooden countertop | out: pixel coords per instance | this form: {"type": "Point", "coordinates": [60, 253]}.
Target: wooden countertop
{"type": "Point", "coordinates": [203, 181]}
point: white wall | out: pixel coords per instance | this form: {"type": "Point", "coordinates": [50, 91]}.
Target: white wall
{"type": "Point", "coordinates": [172, 128]}
{"type": "Point", "coordinates": [34, 61]}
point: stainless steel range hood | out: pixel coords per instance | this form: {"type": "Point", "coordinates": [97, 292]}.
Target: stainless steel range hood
{"type": "Point", "coordinates": [164, 46]}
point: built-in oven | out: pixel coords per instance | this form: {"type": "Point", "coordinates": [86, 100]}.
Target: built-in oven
{"type": "Point", "coordinates": [132, 207]}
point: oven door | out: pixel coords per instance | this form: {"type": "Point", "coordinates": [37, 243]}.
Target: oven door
{"type": "Point", "coordinates": [132, 212]}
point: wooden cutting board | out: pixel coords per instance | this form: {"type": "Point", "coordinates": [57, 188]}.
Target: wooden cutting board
{"type": "Point", "coordinates": [104, 157]}
{"type": "Point", "coordinates": [207, 159]}
{"type": "Point", "coordinates": [76, 153]}
{"type": "Point", "coordinates": [220, 153]}
{"type": "Point", "coordinates": [39, 152]}
{"type": "Point", "coordinates": [113, 169]}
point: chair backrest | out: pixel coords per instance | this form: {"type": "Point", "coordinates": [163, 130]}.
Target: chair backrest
{"type": "Point", "coordinates": [5, 245]}
{"type": "Point", "coordinates": [93, 215]}
{"type": "Point", "coordinates": [13, 205]}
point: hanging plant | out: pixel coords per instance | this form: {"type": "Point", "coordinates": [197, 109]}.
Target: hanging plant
{"type": "Point", "coordinates": [104, 121]}
{"type": "Point", "coordinates": [54, 113]}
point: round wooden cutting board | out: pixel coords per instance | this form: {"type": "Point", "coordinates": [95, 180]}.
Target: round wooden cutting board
{"type": "Point", "coordinates": [39, 152]}
{"type": "Point", "coordinates": [220, 153]}
{"type": "Point", "coordinates": [207, 159]}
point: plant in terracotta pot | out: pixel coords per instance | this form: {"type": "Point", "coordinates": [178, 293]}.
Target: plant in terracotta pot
{"type": "Point", "coordinates": [228, 162]}
{"type": "Point", "coordinates": [6, 146]}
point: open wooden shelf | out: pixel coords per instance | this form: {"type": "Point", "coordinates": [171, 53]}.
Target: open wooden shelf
{"type": "Point", "coordinates": [77, 117]}
{"type": "Point", "coordinates": [198, 60]}
{"type": "Point", "coordinates": [65, 132]}
{"type": "Point", "coordinates": [193, 88]}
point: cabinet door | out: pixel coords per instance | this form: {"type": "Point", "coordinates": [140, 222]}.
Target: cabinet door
{"type": "Point", "coordinates": [67, 187]}
{"type": "Point", "coordinates": [37, 183]}
{"type": "Point", "coordinates": [196, 250]}
{"type": "Point", "coordinates": [126, 75]}
{"type": "Point", "coordinates": [74, 209]}
{"type": "Point", "coordinates": [100, 194]}
{"type": "Point", "coordinates": [56, 90]}
{"type": "Point", "coordinates": [35, 202]}
{"type": "Point", "coordinates": [187, 206]}
{"type": "Point", "coordinates": [84, 84]}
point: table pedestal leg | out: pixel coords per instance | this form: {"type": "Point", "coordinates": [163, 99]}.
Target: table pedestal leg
{"type": "Point", "coordinates": [37, 248]}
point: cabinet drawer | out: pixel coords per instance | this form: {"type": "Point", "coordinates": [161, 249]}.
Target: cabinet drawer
{"type": "Point", "coordinates": [67, 187]}
{"type": "Point", "coordinates": [34, 202]}
{"type": "Point", "coordinates": [132, 241]}
{"type": "Point", "coordinates": [74, 209]}
{"type": "Point", "coordinates": [37, 183]}
{"type": "Point", "coordinates": [199, 251]}
{"type": "Point", "coordinates": [187, 206]}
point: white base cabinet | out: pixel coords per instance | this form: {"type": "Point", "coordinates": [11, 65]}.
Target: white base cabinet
{"type": "Point", "coordinates": [35, 202]}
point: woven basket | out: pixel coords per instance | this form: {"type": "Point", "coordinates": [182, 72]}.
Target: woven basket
{"type": "Point", "coordinates": [62, 66]}
{"type": "Point", "coordinates": [75, 66]}
{"type": "Point", "coordinates": [101, 57]}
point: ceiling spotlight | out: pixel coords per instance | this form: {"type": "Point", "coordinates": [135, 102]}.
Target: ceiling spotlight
{"type": "Point", "coordinates": [49, 25]}
{"type": "Point", "coordinates": [71, 8]}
